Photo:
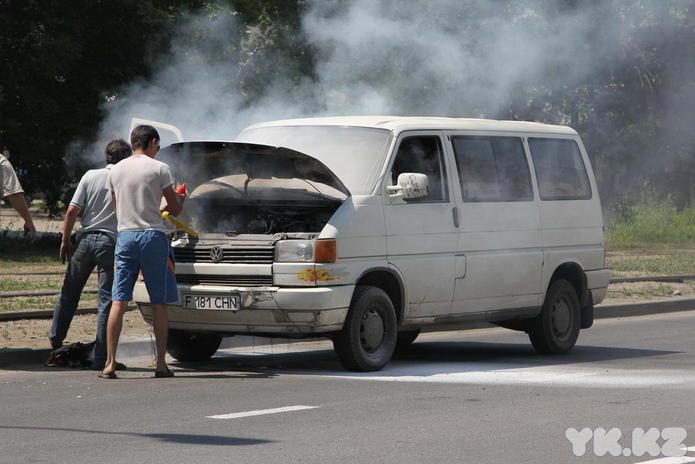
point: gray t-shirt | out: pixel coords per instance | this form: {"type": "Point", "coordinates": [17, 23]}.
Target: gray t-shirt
{"type": "Point", "coordinates": [94, 201]}
{"type": "Point", "coordinates": [138, 182]}
{"type": "Point", "coordinates": [9, 184]}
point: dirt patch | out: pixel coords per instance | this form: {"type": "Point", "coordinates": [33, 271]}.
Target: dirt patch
{"type": "Point", "coordinates": [33, 333]}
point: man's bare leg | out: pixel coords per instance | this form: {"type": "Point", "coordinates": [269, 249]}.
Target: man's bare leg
{"type": "Point", "coordinates": [113, 333]}
{"type": "Point", "coordinates": [161, 332]}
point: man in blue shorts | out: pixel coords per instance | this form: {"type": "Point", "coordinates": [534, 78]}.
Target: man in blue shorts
{"type": "Point", "coordinates": [138, 185]}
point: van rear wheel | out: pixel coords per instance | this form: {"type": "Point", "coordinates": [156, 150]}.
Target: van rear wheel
{"type": "Point", "coordinates": [368, 338]}
{"type": "Point", "coordinates": [187, 346]}
{"type": "Point", "coordinates": [556, 329]}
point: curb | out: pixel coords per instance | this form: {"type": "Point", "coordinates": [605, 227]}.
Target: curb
{"type": "Point", "coordinates": [644, 309]}
{"type": "Point", "coordinates": [126, 349]}
{"type": "Point", "coordinates": [46, 313]}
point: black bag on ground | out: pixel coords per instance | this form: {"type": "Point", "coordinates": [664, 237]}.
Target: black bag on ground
{"type": "Point", "coordinates": [72, 355]}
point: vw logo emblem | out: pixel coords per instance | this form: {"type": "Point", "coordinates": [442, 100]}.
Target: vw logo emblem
{"type": "Point", "coordinates": [216, 254]}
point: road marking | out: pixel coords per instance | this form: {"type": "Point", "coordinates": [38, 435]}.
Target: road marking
{"type": "Point", "coordinates": [261, 412]}
{"type": "Point", "coordinates": [519, 374]}
{"type": "Point", "coordinates": [672, 460]}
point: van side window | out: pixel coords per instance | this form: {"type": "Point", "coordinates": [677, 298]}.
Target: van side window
{"type": "Point", "coordinates": [424, 155]}
{"type": "Point", "coordinates": [492, 168]}
{"type": "Point", "coordinates": [559, 169]}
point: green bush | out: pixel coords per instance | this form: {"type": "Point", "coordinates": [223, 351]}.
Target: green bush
{"type": "Point", "coordinates": [646, 220]}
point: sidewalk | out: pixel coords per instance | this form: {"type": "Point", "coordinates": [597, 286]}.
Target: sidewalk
{"type": "Point", "coordinates": [12, 221]}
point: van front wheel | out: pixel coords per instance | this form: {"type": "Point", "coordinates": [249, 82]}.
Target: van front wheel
{"type": "Point", "coordinates": [368, 338]}
{"type": "Point", "coordinates": [556, 329]}
{"type": "Point", "coordinates": [186, 346]}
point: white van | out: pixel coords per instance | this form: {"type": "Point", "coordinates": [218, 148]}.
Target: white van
{"type": "Point", "coordinates": [368, 229]}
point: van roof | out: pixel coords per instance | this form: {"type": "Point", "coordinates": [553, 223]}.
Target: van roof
{"type": "Point", "coordinates": [401, 123]}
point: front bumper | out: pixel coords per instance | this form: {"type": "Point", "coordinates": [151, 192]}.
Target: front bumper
{"type": "Point", "coordinates": [263, 310]}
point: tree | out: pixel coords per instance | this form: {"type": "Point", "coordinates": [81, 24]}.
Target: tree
{"type": "Point", "coordinates": [60, 62]}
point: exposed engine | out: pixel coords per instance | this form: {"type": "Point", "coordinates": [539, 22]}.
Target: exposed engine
{"type": "Point", "coordinates": [243, 219]}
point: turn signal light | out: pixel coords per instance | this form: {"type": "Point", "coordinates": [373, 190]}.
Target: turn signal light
{"type": "Point", "coordinates": [326, 251]}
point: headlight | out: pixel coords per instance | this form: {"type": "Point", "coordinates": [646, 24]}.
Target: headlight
{"type": "Point", "coordinates": [295, 251]}
{"type": "Point", "coordinates": [307, 251]}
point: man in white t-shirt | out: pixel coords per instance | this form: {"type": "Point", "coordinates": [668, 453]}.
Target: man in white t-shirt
{"type": "Point", "coordinates": [11, 190]}
{"type": "Point", "coordinates": [138, 185]}
{"type": "Point", "coordinates": [94, 248]}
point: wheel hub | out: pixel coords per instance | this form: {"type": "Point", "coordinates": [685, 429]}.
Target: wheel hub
{"type": "Point", "coordinates": [561, 318]}
{"type": "Point", "coordinates": [372, 330]}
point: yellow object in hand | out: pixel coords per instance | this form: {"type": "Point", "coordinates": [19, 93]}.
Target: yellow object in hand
{"type": "Point", "coordinates": [178, 224]}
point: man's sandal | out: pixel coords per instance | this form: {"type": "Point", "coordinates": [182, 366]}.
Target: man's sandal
{"type": "Point", "coordinates": [163, 374]}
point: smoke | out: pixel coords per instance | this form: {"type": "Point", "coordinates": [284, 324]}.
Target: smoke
{"type": "Point", "coordinates": [474, 58]}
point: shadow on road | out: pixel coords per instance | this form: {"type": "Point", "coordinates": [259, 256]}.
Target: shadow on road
{"type": "Point", "coordinates": [423, 358]}
{"type": "Point", "coordinates": [174, 438]}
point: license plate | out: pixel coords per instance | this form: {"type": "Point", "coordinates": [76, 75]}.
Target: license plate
{"type": "Point", "coordinates": [216, 302]}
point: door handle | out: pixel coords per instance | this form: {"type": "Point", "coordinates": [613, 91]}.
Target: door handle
{"type": "Point", "coordinates": [455, 214]}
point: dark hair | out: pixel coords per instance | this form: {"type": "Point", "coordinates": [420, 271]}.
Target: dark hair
{"type": "Point", "coordinates": [141, 136]}
{"type": "Point", "coordinates": [117, 150]}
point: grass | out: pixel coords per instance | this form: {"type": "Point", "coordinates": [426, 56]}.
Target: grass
{"type": "Point", "coordinates": [12, 285]}
{"type": "Point", "coordinates": [43, 302]}
{"type": "Point", "coordinates": [18, 257]}
{"type": "Point", "coordinates": [644, 220]}
{"type": "Point", "coordinates": [650, 291]}
{"type": "Point", "coordinates": [651, 261]}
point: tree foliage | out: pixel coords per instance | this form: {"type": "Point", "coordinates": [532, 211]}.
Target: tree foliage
{"type": "Point", "coordinates": [61, 62]}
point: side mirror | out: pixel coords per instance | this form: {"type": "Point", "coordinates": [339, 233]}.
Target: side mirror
{"type": "Point", "coordinates": [410, 185]}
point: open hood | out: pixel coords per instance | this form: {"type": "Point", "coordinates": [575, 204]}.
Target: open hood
{"type": "Point", "coordinates": [219, 162]}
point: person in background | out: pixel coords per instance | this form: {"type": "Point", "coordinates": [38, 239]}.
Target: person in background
{"type": "Point", "coordinates": [94, 248]}
{"type": "Point", "coordinates": [138, 185]}
{"type": "Point", "coordinates": [11, 190]}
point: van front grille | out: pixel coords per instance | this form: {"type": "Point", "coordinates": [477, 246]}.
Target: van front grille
{"type": "Point", "coordinates": [229, 255]}
{"type": "Point", "coordinates": [225, 280]}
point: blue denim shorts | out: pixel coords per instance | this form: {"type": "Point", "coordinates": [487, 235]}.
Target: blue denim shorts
{"type": "Point", "coordinates": [149, 252]}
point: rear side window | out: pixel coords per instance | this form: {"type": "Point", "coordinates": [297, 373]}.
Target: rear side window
{"type": "Point", "coordinates": [492, 168]}
{"type": "Point", "coordinates": [559, 169]}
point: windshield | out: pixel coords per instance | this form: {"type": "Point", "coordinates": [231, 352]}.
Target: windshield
{"type": "Point", "coordinates": [354, 154]}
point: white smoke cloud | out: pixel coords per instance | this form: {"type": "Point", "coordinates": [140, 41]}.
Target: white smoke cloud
{"type": "Point", "coordinates": [406, 57]}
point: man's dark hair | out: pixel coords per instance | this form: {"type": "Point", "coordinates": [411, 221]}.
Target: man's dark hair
{"type": "Point", "coordinates": [141, 136]}
{"type": "Point", "coordinates": [117, 150]}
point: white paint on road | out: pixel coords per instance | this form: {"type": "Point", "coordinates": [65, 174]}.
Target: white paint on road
{"type": "Point", "coordinates": [673, 460]}
{"type": "Point", "coordinates": [511, 374]}
{"type": "Point", "coordinates": [261, 412]}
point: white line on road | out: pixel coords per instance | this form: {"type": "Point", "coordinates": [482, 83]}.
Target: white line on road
{"type": "Point", "coordinates": [673, 460]}
{"type": "Point", "coordinates": [261, 412]}
{"type": "Point", "coordinates": [519, 374]}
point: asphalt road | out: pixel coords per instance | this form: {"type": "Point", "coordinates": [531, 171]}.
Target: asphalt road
{"type": "Point", "coordinates": [480, 396]}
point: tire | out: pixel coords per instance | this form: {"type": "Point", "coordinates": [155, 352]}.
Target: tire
{"type": "Point", "coordinates": [186, 346]}
{"type": "Point", "coordinates": [556, 329]}
{"type": "Point", "coordinates": [368, 338]}
{"type": "Point", "coordinates": [405, 338]}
